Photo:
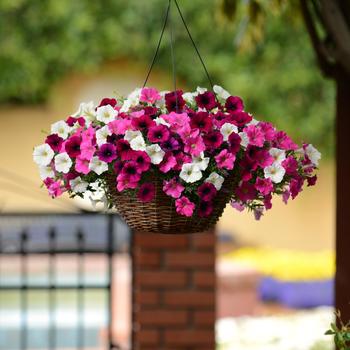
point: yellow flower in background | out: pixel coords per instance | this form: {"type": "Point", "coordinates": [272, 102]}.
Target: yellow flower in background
{"type": "Point", "coordinates": [285, 264]}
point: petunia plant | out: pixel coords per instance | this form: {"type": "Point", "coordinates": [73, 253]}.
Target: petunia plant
{"type": "Point", "coordinates": [192, 141]}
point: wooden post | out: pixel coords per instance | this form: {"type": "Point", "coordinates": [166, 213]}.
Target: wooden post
{"type": "Point", "coordinates": [174, 292]}
{"type": "Point", "coordinates": [342, 280]}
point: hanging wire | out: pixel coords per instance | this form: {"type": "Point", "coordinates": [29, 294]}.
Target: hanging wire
{"type": "Point", "coordinates": [194, 45]}
{"type": "Point", "coordinates": [173, 61]}
{"type": "Point", "coordinates": [159, 43]}
{"type": "Point", "coordinates": [167, 15]}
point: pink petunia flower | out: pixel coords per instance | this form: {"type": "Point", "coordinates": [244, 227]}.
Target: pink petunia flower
{"type": "Point", "coordinates": [264, 186]}
{"type": "Point", "coordinates": [141, 158]}
{"type": "Point", "coordinates": [225, 160]}
{"type": "Point", "coordinates": [296, 186]}
{"type": "Point", "coordinates": [268, 130]}
{"type": "Point", "coordinates": [149, 95]}
{"type": "Point", "coordinates": [72, 146]}
{"type": "Point", "coordinates": [143, 123]}
{"type": "Point", "coordinates": [82, 165]}
{"type": "Point", "coordinates": [131, 171]}
{"type": "Point", "coordinates": [255, 135]}
{"type": "Point", "coordinates": [123, 149]}
{"type": "Point", "coordinates": [54, 187]}
{"type": "Point", "coordinates": [283, 141]}
{"type": "Point", "coordinates": [173, 188]}
{"type": "Point", "coordinates": [291, 165]}
{"type": "Point", "coordinates": [285, 196]}
{"type": "Point", "coordinates": [146, 192]}
{"type": "Point", "coordinates": [194, 144]}
{"type": "Point", "coordinates": [207, 191]}
{"type": "Point", "coordinates": [107, 153]}
{"type": "Point", "coordinates": [234, 141]}
{"type": "Point", "coordinates": [237, 205]}
{"type": "Point", "coordinates": [181, 159]}
{"type": "Point", "coordinates": [240, 119]}
{"type": "Point", "coordinates": [120, 126]}
{"type": "Point", "coordinates": [184, 206]}
{"type": "Point", "coordinates": [168, 163]}
{"type": "Point", "coordinates": [124, 182]}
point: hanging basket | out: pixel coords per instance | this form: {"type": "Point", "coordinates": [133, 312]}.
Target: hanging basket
{"type": "Point", "coordinates": [159, 215]}
{"type": "Point", "coordinates": [169, 162]}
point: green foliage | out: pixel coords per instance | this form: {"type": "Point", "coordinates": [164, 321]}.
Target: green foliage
{"type": "Point", "coordinates": [341, 334]}
{"type": "Point", "coordinates": [40, 41]}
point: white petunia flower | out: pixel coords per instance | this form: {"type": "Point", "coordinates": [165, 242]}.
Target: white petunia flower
{"type": "Point", "coordinates": [45, 172]}
{"type": "Point", "coordinates": [98, 166]}
{"type": "Point", "coordinates": [278, 155]}
{"type": "Point", "coordinates": [227, 129]}
{"type": "Point", "coordinates": [102, 134]}
{"type": "Point", "coordinates": [221, 92]}
{"type": "Point", "coordinates": [130, 135]}
{"type": "Point", "coordinates": [138, 144]}
{"type": "Point", "coordinates": [190, 173]}
{"type": "Point", "coordinates": [132, 101]}
{"type": "Point", "coordinates": [63, 163]}
{"type": "Point", "coordinates": [43, 154]}
{"type": "Point", "coordinates": [215, 179]}
{"type": "Point", "coordinates": [244, 139]}
{"type": "Point", "coordinates": [275, 172]}
{"type": "Point", "coordinates": [86, 110]}
{"type": "Point", "coordinates": [155, 153]}
{"type": "Point", "coordinates": [161, 121]}
{"type": "Point", "coordinates": [201, 90]}
{"type": "Point", "coordinates": [201, 161]}
{"type": "Point", "coordinates": [78, 185]}
{"type": "Point", "coordinates": [106, 114]}
{"type": "Point", "coordinates": [313, 154]}
{"type": "Point", "coordinates": [189, 97]}
{"type": "Point", "coordinates": [61, 128]}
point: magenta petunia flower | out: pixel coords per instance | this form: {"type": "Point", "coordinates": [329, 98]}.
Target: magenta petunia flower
{"type": "Point", "coordinates": [206, 100]}
{"type": "Point", "coordinates": [173, 188]}
{"type": "Point", "coordinates": [234, 104]}
{"type": "Point", "coordinates": [108, 101]}
{"type": "Point", "coordinates": [118, 166]}
{"type": "Point", "coordinates": [131, 171]}
{"type": "Point", "coordinates": [141, 158]}
{"type": "Point", "coordinates": [170, 145]}
{"type": "Point", "coordinates": [144, 122]}
{"type": "Point", "coordinates": [168, 163]}
{"type": "Point", "coordinates": [234, 141]}
{"type": "Point", "coordinates": [264, 186]}
{"type": "Point", "coordinates": [119, 126]}
{"type": "Point", "coordinates": [71, 121]}
{"type": "Point", "coordinates": [225, 160]}
{"type": "Point", "coordinates": [159, 133]}
{"type": "Point", "coordinates": [55, 142]}
{"type": "Point", "coordinates": [181, 159]}
{"type": "Point", "coordinates": [255, 135]}
{"type": "Point", "coordinates": [149, 95]}
{"type": "Point", "coordinates": [259, 157]}
{"type": "Point", "coordinates": [205, 209]}
{"type": "Point", "coordinates": [146, 192]}
{"type": "Point", "coordinates": [311, 181]}
{"type": "Point", "coordinates": [247, 167]}
{"type": "Point", "coordinates": [207, 191]}
{"type": "Point", "coordinates": [246, 191]}
{"type": "Point", "coordinates": [202, 121]}
{"type": "Point", "coordinates": [174, 101]}
{"type": "Point", "coordinates": [54, 187]}
{"type": "Point", "coordinates": [72, 146]}
{"type": "Point", "coordinates": [268, 201]}
{"type": "Point", "coordinates": [82, 165]}
{"type": "Point", "coordinates": [123, 149]}
{"type": "Point", "coordinates": [107, 153]}
{"type": "Point", "coordinates": [296, 186]}
{"type": "Point", "coordinates": [124, 182]}
{"type": "Point", "coordinates": [268, 130]}
{"type": "Point", "coordinates": [291, 165]}
{"type": "Point", "coordinates": [240, 118]}
{"type": "Point", "coordinates": [150, 111]}
{"type": "Point", "coordinates": [283, 141]}
{"type": "Point", "coordinates": [184, 206]}
{"type": "Point", "coordinates": [213, 140]}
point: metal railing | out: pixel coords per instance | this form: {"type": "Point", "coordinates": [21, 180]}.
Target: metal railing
{"type": "Point", "coordinates": [52, 236]}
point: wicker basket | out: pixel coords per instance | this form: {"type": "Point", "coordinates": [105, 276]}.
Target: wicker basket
{"type": "Point", "coordinates": [159, 216]}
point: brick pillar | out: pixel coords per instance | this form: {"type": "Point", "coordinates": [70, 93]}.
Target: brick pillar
{"type": "Point", "coordinates": [174, 292]}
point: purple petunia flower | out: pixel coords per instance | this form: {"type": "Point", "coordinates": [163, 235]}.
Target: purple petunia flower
{"type": "Point", "coordinates": [107, 153]}
{"type": "Point", "coordinates": [205, 209]}
{"type": "Point", "coordinates": [146, 192]}
{"type": "Point", "coordinates": [207, 191]}
{"type": "Point", "coordinates": [174, 101]}
{"type": "Point", "coordinates": [55, 142]}
{"type": "Point", "coordinates": [213, 140]}
{"type": "Point", "coordinates": [206, 100]}
{"type": "Point", "coordinates": [72, 146]}
{"type": "Point", "coordinates": [159, 133]}
{"type": "Point", "coordinates": [234, 104]}
{"type": "Point", "coordinates": [202, 121]}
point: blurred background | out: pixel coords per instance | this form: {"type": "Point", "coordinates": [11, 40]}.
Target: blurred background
{"type": "Point", "coordinates": [275, 276]}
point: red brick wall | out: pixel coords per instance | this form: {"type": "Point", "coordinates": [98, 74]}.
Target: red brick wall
{"type": "Point", "coordinates": [174, 292]}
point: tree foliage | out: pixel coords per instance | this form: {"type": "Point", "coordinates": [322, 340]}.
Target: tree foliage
{"type": "Point", "coordinates": [275, 73]}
